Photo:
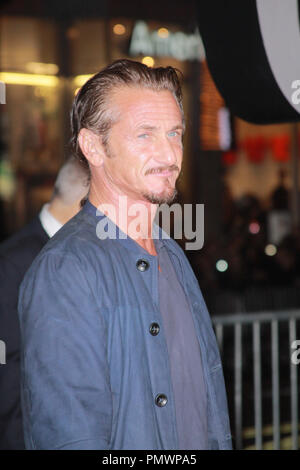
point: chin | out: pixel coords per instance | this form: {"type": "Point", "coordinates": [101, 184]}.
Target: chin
{"type": "Point", "coordinates": [165, 197]}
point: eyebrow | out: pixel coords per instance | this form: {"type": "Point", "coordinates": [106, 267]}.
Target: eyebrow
{"type": "Point", "coordinates": [153, 128]}
{"type": "Point", "coordinates": [147, 127]}
{"type": "Point", "coordinates": [179, 126]}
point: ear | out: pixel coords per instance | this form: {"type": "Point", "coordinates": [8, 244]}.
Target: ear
{"type": "Point", "coordinates": [91, 146]}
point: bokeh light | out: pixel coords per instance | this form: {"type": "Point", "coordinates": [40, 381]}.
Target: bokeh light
{"type": "Point", "coordinates": [221, 265]}
{"type": "Point", "coordinates": [254, 228]}
{"type": "Point", "coordinates": [270, 250]}
{"type": "Point", "coordinates": [149, 61]}
{"type": "Point", "coordinates": [163, 32]}
{"type": "Point", "coordinates": [119, 29]}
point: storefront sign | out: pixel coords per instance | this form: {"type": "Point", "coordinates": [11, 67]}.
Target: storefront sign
{"type": "Point", "coordinates": [179, 45]}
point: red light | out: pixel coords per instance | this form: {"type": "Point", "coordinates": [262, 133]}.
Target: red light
{"type": "Point", "coordinates": [254, 228]}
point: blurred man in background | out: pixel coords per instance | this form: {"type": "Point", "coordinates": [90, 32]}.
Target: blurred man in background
{"type": "Point", "coordinates": [16, 255]}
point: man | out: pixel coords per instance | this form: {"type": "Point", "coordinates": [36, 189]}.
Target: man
{"type": "Point", "coordinates": [16, 255]}
{"type": "Point", "coordinates": [118, 347]}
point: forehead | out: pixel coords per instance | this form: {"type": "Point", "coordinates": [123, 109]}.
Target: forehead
{"type": "Point", "coordinates": [135, 105]}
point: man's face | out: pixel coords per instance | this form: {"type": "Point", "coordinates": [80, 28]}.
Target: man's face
{"type": "Point", "coordinates": [144, 149]}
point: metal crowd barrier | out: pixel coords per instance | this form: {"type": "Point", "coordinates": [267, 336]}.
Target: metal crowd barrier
{"type": "Point", "coordinates": [255, 322]}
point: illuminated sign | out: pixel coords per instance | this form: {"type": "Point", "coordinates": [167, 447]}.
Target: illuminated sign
{"type": "Point", "coordinates": [179, 45]}
{"type": "Point", "coordinates": [215, 129]}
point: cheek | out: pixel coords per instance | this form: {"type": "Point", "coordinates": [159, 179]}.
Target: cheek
{"type": "Point", "coordinates": [138, 154]}
{"type": "Point", "coordinates": [138, 147]}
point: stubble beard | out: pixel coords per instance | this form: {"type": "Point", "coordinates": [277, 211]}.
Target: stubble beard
{"type": "Point", "coordinates": [162, 198]}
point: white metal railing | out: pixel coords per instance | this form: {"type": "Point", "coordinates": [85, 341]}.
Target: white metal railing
{"type": "Point", "coordinates": [273, 320]}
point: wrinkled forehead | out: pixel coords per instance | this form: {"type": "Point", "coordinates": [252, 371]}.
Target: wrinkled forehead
{"type": "Point", "coordinates": [138, 104]}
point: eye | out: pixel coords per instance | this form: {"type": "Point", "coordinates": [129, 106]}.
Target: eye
{"type": "Point", "coordinates": [143, 136]}
{"type": "Point", "coordinates": [173, 133]}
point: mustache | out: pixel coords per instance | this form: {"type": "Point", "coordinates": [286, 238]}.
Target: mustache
{"type": "Point", "coordinates": [162, 168]}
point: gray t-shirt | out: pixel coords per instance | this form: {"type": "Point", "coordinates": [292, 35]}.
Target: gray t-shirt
{"type": "Point", "coordinates": [185, 358]}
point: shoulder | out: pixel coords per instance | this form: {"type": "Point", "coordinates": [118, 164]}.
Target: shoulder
{"type": "Point", "coordinates": [74, 251]}
{"type": "Point", "coordinates": [32, 231]}
{"type": "Point", "coordinates": [67, 276]}
{"type": "Point", "coordinates": [19, 250]}
{"type": "Point", "coordinates": [77, 240]}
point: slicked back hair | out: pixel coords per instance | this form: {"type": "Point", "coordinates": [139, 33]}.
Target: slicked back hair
{"type": "Point", "coordinates": [91, 106]}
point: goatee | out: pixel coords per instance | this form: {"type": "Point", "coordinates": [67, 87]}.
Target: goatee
{"type": "Point", "coordinates": [160, 198]}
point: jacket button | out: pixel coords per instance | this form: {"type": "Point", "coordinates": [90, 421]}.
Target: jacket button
{"type": "Point", "coordinates": [142, 265]}
{"type": "Point", "coordinates": [161, 400]}
{"type": "Point", "coordinates": [154, 329]}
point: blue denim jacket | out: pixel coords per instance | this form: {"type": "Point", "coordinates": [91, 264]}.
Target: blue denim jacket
{"type": "Point", "coordinates": [90, 368]}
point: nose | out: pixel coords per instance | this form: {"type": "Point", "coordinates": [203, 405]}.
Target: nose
{"type": "Point", "coordinates": [166, 152]}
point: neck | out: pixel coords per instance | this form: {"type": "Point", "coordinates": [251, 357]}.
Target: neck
{"type": "Point", "coordinates": [134, 217]}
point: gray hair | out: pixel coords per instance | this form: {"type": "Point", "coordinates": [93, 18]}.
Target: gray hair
{"type": "Point", "coordinates": [72, 182]}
